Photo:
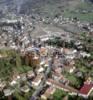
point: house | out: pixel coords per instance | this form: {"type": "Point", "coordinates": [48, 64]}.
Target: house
{"type": "Point", "coordinates": [30, 74]}
{"type": "Point", "coordinates": [56, 76]}
{"type": "Point", "coordinates": [86, 90]}
{"type": "Point", "coordinates": [84, 54]}
{"type": "Point", "coordinates": [69, 68]}
{"type": "Point", "coordinates": [48, 92]}
{"type": "Point", "coordinates": [36, 61]}
{"type": "Point", "coordinates": [40, 70]}
{"type": "Point", "coordinates": [23, 77]}
{"type": "Point", "coordinates": [64, 81]}
{"type": "Point", "coordinates": [58, 70]}
{"type": "Point", "coordinates": [72, 62]}
{"type": "Point", "coordinates": [72, 69]}
{"type": "Point", "coordinates": [31, 58]}
{"type": "Point", "coordinates": [13, 83]}
{"type": "Point", "coordinates": [8, 92]}
{"type": "Point", "coordinates": [37, 80]}
{"type": "Point", "coordinates": [58, 62]}
{"type": "Point", "coordinates": [69, 53]}
{"type": "Point", "coordinates": [25, 89]}
{"type": "Point", "coordinates": [44, 62]}
{"type": "Point", "coordinates": [43, 51]}
{"type": "Point", "coordinates": [78, 43]}
{"type": "Point", "coordinates": [15, 77]}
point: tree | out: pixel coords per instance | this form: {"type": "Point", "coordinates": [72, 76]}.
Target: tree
{"type": "Point", "coordinates": [59, 94]}
{"type": "Point", "coordinates": [74, 81]}
{"type": "Point", "coordinates": [18, 60]}
{"type": "Point", "coordinates": [73, 97]}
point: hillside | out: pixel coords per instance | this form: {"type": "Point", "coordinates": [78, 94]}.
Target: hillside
{"type": "Point", "coordinates": [82, 9]}
{"type": "Point", "coordinates": [50, 8]}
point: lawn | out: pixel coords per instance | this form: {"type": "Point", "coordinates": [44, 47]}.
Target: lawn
{"type": "Point", "coordinates": [59, 94]}
{"type": "Point", "coordinates": [74, 81]}
{"type": "Point", "coordinates": [23, 69]}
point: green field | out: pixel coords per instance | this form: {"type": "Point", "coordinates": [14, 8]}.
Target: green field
{"type": "Point", "coordinates": [83, 11]}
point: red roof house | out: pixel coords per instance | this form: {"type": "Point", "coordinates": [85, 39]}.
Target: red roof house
{"type": "Point", "coordinates": [86, 90]}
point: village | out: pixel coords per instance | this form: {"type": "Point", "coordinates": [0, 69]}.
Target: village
{"type": "Point", "coordinates": [52, 63]}
{"type": "Point", "coordinates": [45, 57]}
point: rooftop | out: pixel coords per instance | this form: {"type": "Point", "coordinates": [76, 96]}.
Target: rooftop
{"type": "Point", "coordinates": [48, 92]}
{"type": "Point", "coordinates": [86, 89]}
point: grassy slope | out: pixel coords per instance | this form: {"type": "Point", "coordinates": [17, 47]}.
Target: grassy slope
{"type": "Point", "coordinates": [66, 8]}
{"type": "Point", "coordinates": [52, 7]}
{"type": "Point", "coordinates": [82, 6]}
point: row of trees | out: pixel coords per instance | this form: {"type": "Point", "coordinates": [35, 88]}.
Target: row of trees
{"type": "Point", "coordinates": [57, 41]}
